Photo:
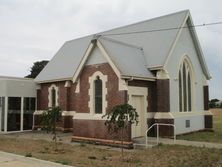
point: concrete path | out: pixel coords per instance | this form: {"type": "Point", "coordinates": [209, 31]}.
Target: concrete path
{"type": "Point", "coordinates": [66, 138]}
{"type": "Point", "coordinates": [10, 160]}
{"type": "Point", "coordinates": [152, 141]}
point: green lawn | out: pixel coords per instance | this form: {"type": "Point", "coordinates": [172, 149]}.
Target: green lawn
{"type": "Point", "coordinates": [215, 136]}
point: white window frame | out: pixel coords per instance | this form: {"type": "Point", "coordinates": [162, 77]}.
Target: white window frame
{"type": "Point", "coordinates": [189, 70]}
{"type": "Point", "coordinates": [50, 95]}
{"type": "Point", "coordinates": [91, 103]}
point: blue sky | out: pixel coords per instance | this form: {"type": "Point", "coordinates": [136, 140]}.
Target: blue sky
{"type": "Point", "coordinates": [33, 30]}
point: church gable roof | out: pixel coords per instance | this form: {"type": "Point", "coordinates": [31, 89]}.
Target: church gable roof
{"type": "Point", "coordinates": [128, 59]}
{"type": "Point", "coordinates": [134, 49]}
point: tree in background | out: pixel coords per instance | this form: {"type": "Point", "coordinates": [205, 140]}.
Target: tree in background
{"type": "Point", "coordinates": [37, 68]}
{"type": "Point", "coordinates": [213, 103]}
{"type": "Point", "coordinates": [119, 118]}
{"type": "Point", "coordinates": [49, 119]}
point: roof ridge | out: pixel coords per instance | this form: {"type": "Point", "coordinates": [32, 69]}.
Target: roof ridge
{"type": "Point", "coordinates": [80, 38]}
{"type": "Point", "coordinates": [120, 42]}
{"type": "Point", "coordinates": [128, 25]}
{"type": "Point", "coordinates": [147, 20]}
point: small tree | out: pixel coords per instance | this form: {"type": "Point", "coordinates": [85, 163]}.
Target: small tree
{"type": "Point", "coordinates": [119, 118]}
{"type": "Point", "coordinates": [49, 119]}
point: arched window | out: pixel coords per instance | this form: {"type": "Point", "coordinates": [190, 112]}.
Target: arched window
{"type": "Point", "coordinates": [185, 87]}
{"type": "Point", "coordinates": [53, 97]}
{"type": "Point", "coordinates": [98, 95]}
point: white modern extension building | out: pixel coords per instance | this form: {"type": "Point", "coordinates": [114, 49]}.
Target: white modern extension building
{"type": "Point", "coordinates": [17, 103]}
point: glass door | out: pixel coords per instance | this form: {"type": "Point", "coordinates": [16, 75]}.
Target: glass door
{"type": "Point", "coordinates": [29, 108]}
{"type": "Point", "coordinates": [14, 114]}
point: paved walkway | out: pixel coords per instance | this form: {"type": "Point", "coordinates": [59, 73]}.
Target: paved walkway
{"type": "Point", "coordinates": [10, 160]}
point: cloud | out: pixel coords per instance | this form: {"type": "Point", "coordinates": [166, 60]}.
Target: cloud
{"type": "Point", "coordinates": [34, 30]}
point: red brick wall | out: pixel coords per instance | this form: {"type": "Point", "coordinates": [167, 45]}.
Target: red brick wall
{"type": "Point", "coordinates": [97, 129]}
{"type": "Point", "coordinates": [165, 130]}
{"type": "Point", "coordinates": [206, 97]}
{"type": "Point", "coordinates": [65, 124]}
{"type": "Point", "coordinates": [163, 95]}
{"type": "Point", "coordinates": [152, 96]}
{"type": "Point", "coordinates": [42, 96]}
{"type": "Point", "coordinates": [71, 101]}
{"type": "Point", "coordinates": [79, 101]}
{"type": "Point", "coordinates": [208, 121]}
{"type": "Point", "coordinates": [39, 103]}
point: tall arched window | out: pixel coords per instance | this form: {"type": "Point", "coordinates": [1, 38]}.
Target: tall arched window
{"type": "Point", "coordinates": [97, 93]}
{"type": "Point", "coordinates": [98, 96]}
{"type": "Point", "coordinates": [53, 97]}
{"type": "Point", "coordinates": [185, 87]}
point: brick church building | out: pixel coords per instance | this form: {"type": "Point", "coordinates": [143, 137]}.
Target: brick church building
{"type": "Point", "coordinates": [154, 65]}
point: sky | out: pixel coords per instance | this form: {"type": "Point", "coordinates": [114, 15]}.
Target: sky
{"type": "Point", "coordinates": [34, 30]}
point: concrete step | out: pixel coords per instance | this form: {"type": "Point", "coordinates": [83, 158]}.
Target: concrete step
{"type": "Point", "coordinates": [143, 146]}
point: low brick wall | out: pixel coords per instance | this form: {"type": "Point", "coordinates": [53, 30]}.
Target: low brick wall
{"type": "Point", "coordinates": [165, 131]}
{"type": "Point", "coordinates": [65, 124]}
{"type": "Point", "coordinates": [208, 121]}
{"type": "Point", "coordinates": [96, 131]}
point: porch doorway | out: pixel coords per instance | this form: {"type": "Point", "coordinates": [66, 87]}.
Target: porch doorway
{"type": "Point", "coordinates": [138, 99]}
{"type": "Point", "coordinates": [139, 129]}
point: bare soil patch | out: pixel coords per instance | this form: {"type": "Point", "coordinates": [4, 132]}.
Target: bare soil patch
{"type": "Point", "coordinates": [90, 155]}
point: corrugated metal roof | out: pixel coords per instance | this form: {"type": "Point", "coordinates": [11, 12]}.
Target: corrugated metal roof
{"type": "Point", "coordinates": [66, 61]}
{"type": "Point", "coordinates": [156, 44]}
{"type": "Point", "coordinates": [130, 60]}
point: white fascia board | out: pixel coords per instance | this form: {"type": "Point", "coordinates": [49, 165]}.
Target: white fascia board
{"type": "Point", "coordinates": [155, 68]}
{"type": "Point", "coordinates": [106, 55]}
{"type": "Point", "coordinates": [198, 48]}
{"type": "Point", "coordinates": [53, 80]}
{"type": "Point", "coordinates": [83, 61]}
{"type": "Point", "coordinates": [138, 78]}
{"type": "Point", "coordinates": [176, 40]}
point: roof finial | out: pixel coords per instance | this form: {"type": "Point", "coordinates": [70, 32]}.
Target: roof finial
{"type": "Point", "coordinates": [95, 37]}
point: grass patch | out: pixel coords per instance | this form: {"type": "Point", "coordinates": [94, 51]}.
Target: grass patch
{"type": "Point", "coordinates": [63, 162]}
{"type": "Point", "coordinates": [215, 137]}
{"type": "Point", "coordinates": [90, 155]}
{"type": "Point", "coordinates": [28, 155]}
